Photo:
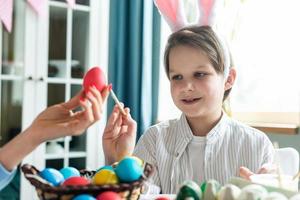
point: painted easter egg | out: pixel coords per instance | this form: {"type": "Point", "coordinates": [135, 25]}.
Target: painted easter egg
{"type": "Point", "coordinates": [162, 198]}
{"type": "Point", "coordinates": [68, 172]}
{"type": "Point", "coordinates": [129, 170]}
{"type": "Point", "coordinates": [253, 191]}
{"type": "Point", "coordinates": [139, 161]}
{"type": "Point", "coordinates": [189, 189]}
{"type": "Point", "coordinates": [229, 191]}
{"type": "Point", "coordinates": [105, 176]}
{"type": "Point", "coordinates": [94, 77]}
{"type": "Point", "coordinates": [295, 197]}
{"type": "Point", "coordinates": [84, 197]}
{"type": "Point", "coordinates": [210, 189]}
{"type": "Point", "coordinates": [52, 175]}
{"type": "Point", "coordinates": [108, 196]}
{"type": "Point", "coordinates": [76, 180]}
{"type": "Point", "coordinates": [274, 196]}
{"type": "Point", "coordinates": [109, 167]}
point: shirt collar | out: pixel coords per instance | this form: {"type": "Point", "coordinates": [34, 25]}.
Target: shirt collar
{"type": "Point", "coordinates": [185, 135]}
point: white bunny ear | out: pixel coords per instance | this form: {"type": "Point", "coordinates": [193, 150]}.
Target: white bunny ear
{"type": "Point", "coordinates": [173, 12]}
{"type": "Point", "coordinates": [208, 10]}
{"type": "Point", "coordinates": [207, 16]}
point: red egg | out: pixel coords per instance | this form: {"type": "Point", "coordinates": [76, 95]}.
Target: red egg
{"type": "Point", "coordinates": [108, 196]}
{"type": "Point", "coordinates": [76, 180]}
{"type": "Point", "coordinates": [162, 198]}
{"type": "Point", "coordinates": [95, 76]}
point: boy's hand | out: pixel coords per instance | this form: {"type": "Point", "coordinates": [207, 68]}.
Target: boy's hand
{"type": "Point", "coordinates": [59, 120]}
{"type": "Point", "coordinates": [265, 169]}
{"type": "Point", "coordinates": [119, 136]}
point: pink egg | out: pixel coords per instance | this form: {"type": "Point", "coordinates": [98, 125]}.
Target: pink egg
{"type": "Point", "coordinates": [76, 180]}
{"type": "Point", "coordinates": [95, 76]}
{"type": "Point", "coordinates": [108, 196]}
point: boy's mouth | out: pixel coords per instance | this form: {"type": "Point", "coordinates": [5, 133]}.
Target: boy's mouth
{"type": "Point", "coordinates": [190, 100]}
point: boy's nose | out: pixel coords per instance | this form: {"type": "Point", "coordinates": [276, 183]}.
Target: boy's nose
{"type": "Point", "coordinates": [189, 86]}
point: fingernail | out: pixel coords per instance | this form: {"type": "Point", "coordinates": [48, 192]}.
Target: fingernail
{"type": "Point", "coordinates": [109, 87]}
{"type": "Point", "coordinates": [82, 96]}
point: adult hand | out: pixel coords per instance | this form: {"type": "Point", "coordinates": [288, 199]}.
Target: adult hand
{"type": "Point", "coordinates": [119, 136]}
{"type": "Point", "coordinates": [54, 122]}
{"type": "Point", "coordinates": [61, 120]}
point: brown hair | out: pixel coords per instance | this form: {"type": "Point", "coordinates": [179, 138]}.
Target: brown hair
{"type": "Point", "coordinates": [199, 37]}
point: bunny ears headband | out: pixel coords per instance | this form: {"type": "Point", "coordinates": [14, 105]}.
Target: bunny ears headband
{"type": "Point", "coordinates": [174, 14]}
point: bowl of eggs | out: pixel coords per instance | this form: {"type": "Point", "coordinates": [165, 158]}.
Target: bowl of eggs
{"type": "Point", "coordinates": [235, 189]}
{"type": "Point", "coordinates": [122, 180]}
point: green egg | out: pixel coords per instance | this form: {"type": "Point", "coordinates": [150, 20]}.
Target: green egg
{"type": "Point", "coordinates": [189, 189]}
{"type": "Point", "coordinates": [210, 189]}
{"type": "Point", "coordinates": [203, 186]}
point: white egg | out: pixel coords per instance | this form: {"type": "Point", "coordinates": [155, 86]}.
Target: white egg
{"type": "Point", "coordinates": [275, 196]}
{"type": "Point", "coordinates": [229, 192]}
{"type": "Point", "coordinates": [295, 197]}
{"type": "Point", "coordinates": [253, 192]}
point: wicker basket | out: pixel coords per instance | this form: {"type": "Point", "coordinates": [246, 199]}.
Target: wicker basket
{"type": "Point", "coordinates": [46, 191]}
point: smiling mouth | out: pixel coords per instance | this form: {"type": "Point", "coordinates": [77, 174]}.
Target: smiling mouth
{"type": "Point", "coordinates": [190, 101]}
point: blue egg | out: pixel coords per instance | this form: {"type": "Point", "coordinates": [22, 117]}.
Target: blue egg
{"type": "Point", "coordinates": [129, 170]}
{"type": "Point", "coordinates": [52, 175]}
{"type": "Point", "coordinates": [68, 172]}
{"type": "Point", "coordinates": [109, 167]}
{"type": "Point", "coordinates": [84, 197]}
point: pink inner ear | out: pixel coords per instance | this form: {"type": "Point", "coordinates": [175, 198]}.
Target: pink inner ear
{"type": "Point", "coordinates": [168, 8]}
{"type": "Point", "coordinates": [206, 6]}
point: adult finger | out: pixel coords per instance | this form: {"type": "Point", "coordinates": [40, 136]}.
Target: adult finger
{"type": "Point", "coordinates": [74, 101]}
{"type": "Point", "coordinates": [96, 93]}
{"type": "Point", "coordinates": [105, 93]}
{"type": "Point", "coordinates": [88, 117]}
{"type": "Point", "coordinates": [96, 109]}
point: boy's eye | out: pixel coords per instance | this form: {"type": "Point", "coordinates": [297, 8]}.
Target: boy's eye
{"type": "Point", "coordinates": [199, 74]}
{"type": "Point", "coordinates": [177, 77]}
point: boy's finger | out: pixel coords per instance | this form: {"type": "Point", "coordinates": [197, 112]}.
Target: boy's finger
{"type": "Point", "coordinates": [113, 130]}
{"type": "Point", "coordinates": [112, 119]}
{"type": "Point", "coordinates": [245, 173]}
{"type": "Point", "coordinates": [131, 123]}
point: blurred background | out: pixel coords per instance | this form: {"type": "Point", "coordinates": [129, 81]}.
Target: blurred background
{"type": "Point", "coordinates": [51, 45]}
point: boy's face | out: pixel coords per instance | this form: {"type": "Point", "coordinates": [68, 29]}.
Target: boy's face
{"type": "Point", "coordinates": [196, 88]}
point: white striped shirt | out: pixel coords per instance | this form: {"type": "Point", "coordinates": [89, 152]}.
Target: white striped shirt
{"type": "Point", "coordinates": [229, 145]}
{"type": "Point", "coordinates": [196, 153]}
